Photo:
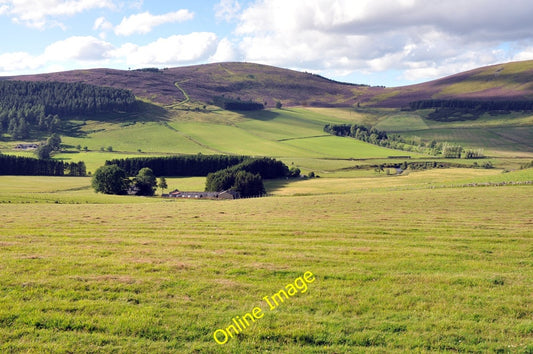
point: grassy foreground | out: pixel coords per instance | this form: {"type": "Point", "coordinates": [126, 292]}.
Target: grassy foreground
{"type": "Point", "coordinates": [446, 269]}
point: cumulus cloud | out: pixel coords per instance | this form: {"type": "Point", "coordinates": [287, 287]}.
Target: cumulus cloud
{"type": "Point", "coordinates": [71, 52]}
{"type": "Point", "coordinates": [102, 24]}
{"type": "Point", "coordinates": [39, 14]}
{"type": "Point", "coordinates": [174, 50]}
{"type": "Point", "coordinates": [87, 49]}
{"type": "Point", "coordinates": [144, 22]}
{"type": "Point", "coordinates": [225, 51]}
{"type": "Point", "coordinates": [227, 9]}
{"type": "Point", "coordinates": [18, 62]}
{"type": "Point", "coordinates": [423, 37]}
{"type": "Point", "coordinates": [415, 40]}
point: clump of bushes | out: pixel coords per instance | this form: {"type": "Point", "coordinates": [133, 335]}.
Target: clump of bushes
{"type": "Point", "coordinates": [111, 179]}
{"type": "Point", "coordinates": [247, 177]}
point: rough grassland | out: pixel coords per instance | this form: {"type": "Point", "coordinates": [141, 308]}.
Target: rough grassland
{"type": "Point", "coordinates": [424, 270]}
{"type": "Point", "coordinates": [294, 134]}
{"type": "Point", "coordinates": [499, 135]}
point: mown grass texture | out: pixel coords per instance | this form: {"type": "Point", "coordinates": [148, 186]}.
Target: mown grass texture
{"type": "Point", "coordinates": [423, 270]}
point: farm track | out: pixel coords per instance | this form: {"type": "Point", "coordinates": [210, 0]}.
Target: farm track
{"type": "Point", "coordinates": [187, 97]}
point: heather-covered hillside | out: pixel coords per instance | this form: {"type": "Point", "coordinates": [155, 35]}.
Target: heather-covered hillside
{"type": "Point", "coordinates": [268, 84]}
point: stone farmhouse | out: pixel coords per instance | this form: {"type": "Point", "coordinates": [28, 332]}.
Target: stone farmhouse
{"type": "Point", "coordinates": [26, 146]}
{"type": "Point", "coordinates": [228, 194]}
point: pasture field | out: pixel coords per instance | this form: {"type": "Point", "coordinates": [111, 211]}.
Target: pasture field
{"type": "Point", "coordinates": [445, 269]}
{"type": "Point", "coordinates": [499, 135]}
{"type": "Point", "coordinates": [428, 179]}
{"type": "Point", "coordinates": [77, 190]}
{"type": "Point", "coordinates": [416, 262]}
{"type": "Point", "coordinates": [288, 134]}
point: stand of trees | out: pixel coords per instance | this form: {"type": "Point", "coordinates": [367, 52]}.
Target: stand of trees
{"type": "Point", "coordinates": [232, 104]}
{"type": "Point", "coordinates": [240, 173]}
{"type": "Point", "coordinates": [266, 167]}
{"type": "Point", "coordinates": [27, 106]}
{"type": "Point", "coordinates": [53, 143]}
{"type": "Point", "coordinates": [246, 177]}
{"type": "Point", "coordinates": [382, 138]}
{"type": "Point", "coordinates": [246, 183]}
{"type": "Point", "coordinates": [145, 182]}
{"type": "Point", "coordinates": [452, 151]}
{"type": "Point", "coordinates": [482, 105]}
{"type": "Point", "coordinates": [395, 141]}
{"type": "Point", "coordinates": [461, 110]}
{"type": "Point", "coordinates": [27, 166]}
{"type": "Point", "coordinates": [182, 165]}
{"type": "Point", "coordinates": [111, 179]}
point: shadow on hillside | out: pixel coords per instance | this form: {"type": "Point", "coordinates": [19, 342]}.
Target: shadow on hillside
{"type": "Point", "coordinates": [262, 115]}
{"type": "Point", "coordinates": [274, 185]}
{"type": "Point", "coordinates": [145, 112]}
{"type": "Point", "coordinates": [72, 129]}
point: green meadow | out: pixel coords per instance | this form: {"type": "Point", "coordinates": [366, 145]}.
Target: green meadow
{"type": "Point", "coordinates": [438, 260]}
{"type": "Point", "coordinates": [291, 134]}
{"type": "Point", "coordinates": [418, 269]}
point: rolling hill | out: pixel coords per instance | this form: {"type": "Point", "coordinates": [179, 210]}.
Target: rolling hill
{"type": "Point", "coordinates": [202, 83]}
{"type": "Point", "coordinates": [262, 83]}
{"type": "Point", "coordinates": [181, 120]}
{"type": "Point", "coordinates": [510, 81]}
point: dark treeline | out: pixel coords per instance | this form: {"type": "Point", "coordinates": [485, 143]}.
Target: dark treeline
{"type": "Point", "coordinates": [357, 131]}
{"type": "Point", "coordinates": [149, 70]}
{"type": "Point", "coordinates": [266, 167]}
{"type": "Point", "coordinates": [376, 137]}
{"type": "Point", "coordinates": [499, 105]}
{"type": "Point", "coordinates": [427, 165]}
{"type": "Point", "coordinates": [396, 141]}
{"type": "Point", "coordinates": [182, 165]}
{"type": "Point", "coordinates": [245, 183]}
{"type": "Point", "coordinates": [246, 177]}
{"type": "Point", "coordinates": [232, 104]}
{"type": "Point", "coordinates": [26, 106]}
{"type": "Point", "coordinates": [27, 166]}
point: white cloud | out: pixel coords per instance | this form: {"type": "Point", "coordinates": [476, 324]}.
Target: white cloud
{"type": "Point", "coordinates": [69, 53]}
{"type": "Point", "coordinates": [174, 50]}
{"type": "Point", "coordinates": [88, 49]}
{"type": "Point", "coordinates": [144, 22]}
{"type": "Point", "coordinates": [227, 9]}
{"type": "Point", "coordinates": [423, 37]}
{"type": "Point", "coordinates": [38, 14]}
{"type": "Point", "coordinates": [225, 52]}
{"type": "Point", "coordinates": [524, 52]}
{"type": "Point", "coordinates": [11, 63]}
{"type": "Point", "coordinates": [102, 24]}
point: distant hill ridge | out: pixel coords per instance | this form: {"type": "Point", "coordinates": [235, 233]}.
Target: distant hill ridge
{"type": "Point", "coordinates": [268, 84]}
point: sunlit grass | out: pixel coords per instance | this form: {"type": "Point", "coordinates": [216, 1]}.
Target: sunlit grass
{"type": "Point", "coordinates": [419, 270]}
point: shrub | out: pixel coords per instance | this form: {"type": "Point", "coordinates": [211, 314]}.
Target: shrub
{"type": "Point", "coordinates": [110, 179]}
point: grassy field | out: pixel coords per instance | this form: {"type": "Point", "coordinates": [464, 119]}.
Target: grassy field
{"type": "Point", "coordinates": [446, 269]}
{"type": "Point", "coordinates": [293, 134]}
{"type": "Point", "coordinates": [428, 179]}
{"type": "Point", "coordinates": [77, 190]}
{"type": "Point", "coordinates": [432, 261]}
{"type": "Point", "coordinates": [499, 135]}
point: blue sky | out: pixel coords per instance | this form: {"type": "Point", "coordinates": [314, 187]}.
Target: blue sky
{"type": "Point", "coordinates": [377, 42]}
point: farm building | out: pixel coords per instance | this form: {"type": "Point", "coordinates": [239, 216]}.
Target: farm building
{"type": "Point", "coordinates": [229, 194]}
{"type": "Point", "coordinates": [26, 146]}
